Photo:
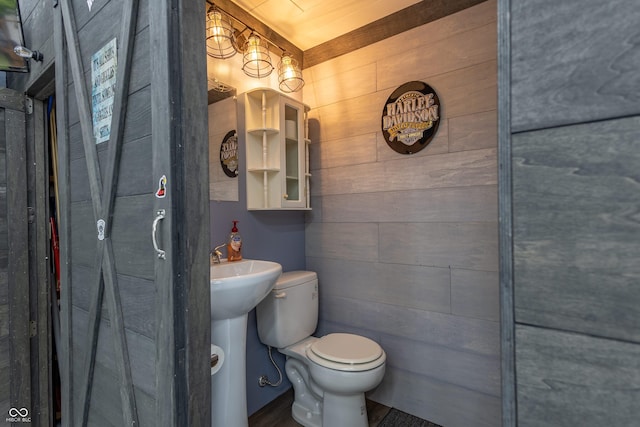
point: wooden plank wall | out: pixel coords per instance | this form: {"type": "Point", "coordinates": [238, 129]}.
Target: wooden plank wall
{"type": "Point", "coordinates": [406, 247]}
{"type": "Point", "coordinates": [575, 132]}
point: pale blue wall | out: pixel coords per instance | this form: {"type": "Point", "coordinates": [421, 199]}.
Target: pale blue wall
{"type": "Point", "coordinates": [269, 235]}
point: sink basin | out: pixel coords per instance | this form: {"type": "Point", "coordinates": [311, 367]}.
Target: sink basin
{"type": "Point", "coordinates": [238, 286]}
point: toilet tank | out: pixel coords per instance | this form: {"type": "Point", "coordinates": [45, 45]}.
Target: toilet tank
{"type": "Point", "coordinates": [290, 312]}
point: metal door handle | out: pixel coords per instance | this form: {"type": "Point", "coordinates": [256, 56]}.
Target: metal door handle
{"type": "Point", "coordinates": [159, 216]}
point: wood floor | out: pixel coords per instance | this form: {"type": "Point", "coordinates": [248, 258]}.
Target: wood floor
{"type": "Point", "coordinates": [278, 413]}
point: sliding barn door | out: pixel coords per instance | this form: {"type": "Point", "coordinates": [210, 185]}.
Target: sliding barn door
{"type": "Point", "coordinates": [135, 338]}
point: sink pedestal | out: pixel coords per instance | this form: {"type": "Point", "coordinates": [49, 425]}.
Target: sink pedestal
{"type": "Point", "coordinates": [228, 385]}
{"type": "Point", "coordinates": [236, 288]}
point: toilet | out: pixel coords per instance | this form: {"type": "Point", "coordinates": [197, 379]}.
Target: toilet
{"type": "Point", "coordinates": [329, 374]}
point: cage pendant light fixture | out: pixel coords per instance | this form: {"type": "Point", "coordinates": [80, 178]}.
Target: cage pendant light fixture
{"type": "Point", "coordinates": [289, 74]}
{"type": "Point", "coordinates": [257, 60]}
{"type": "Point", "coordinates": [220, 35]}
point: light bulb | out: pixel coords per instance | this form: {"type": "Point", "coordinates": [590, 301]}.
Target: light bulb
{"type": "Point", "coordinates": [287, 69]}
{"type": "Point", "coordinates": [254, 48]}
{"type": "Point", "coordinates": [216, 27]}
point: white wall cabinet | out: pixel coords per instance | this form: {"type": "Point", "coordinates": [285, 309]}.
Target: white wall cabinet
{"type": "Point", "coordinates": [277, 151]}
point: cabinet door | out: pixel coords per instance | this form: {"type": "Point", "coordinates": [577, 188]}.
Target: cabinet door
{"type": "Point", "coordinates": [293, 155]}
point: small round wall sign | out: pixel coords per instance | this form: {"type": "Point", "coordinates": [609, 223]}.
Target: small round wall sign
{"type": "Point", "coordinates": [229, 154]}
{"type": "Point", "coordinates": [410, 118]}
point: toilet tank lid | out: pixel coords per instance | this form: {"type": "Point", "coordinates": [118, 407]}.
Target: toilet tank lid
{"type": "Point", "coordinates": [294, 278]}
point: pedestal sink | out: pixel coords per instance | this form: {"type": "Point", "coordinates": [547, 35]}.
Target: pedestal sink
{"type": "Point", "coordinates": [236, 288]}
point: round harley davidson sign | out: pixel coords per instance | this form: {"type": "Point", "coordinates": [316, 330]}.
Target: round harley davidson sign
{"type": "Point", "coordinates": [411, 117]}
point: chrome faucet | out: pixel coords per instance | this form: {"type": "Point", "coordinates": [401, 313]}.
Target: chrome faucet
{"type": "Point", "coordinates": [215, 254]}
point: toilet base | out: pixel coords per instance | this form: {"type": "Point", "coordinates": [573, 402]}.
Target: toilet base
{"type": "Point", "coordinates": [304, 417]}
{"type": "Point", "coordinates": [338, 411]}
{"type": "Point", "coordinates": [313, 407]}
{"type": "Point", "coordinates": [344, 411]}
{"type": "Point", "coordinates": [307, 404]}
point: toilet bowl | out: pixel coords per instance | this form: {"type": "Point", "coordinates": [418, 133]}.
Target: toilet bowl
{"type": "Point", "coordinates": [329, 374]}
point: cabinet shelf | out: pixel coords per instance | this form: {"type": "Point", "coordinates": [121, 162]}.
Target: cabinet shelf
{"type": "Point", "coordinates": [260, 131]}
{"type": "Point", "coordinates": [274, 170]}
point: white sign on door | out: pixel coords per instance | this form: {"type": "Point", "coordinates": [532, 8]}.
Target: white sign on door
{"type": "Point", "coordinates": [104, 64]}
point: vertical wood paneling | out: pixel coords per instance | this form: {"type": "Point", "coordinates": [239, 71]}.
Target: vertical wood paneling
{"type": "Point", "coordinates": [406, 246]}
{"type": "Point", "coordinates": [574, 62]}
{"type": "Point", "coordinates": [571, 93]}
{"type": "Point", "coordinates": [577, 228]}
{"type": "Point", "coordinates": [567, 379]}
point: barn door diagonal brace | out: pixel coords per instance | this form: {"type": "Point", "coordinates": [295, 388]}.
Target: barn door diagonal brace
{"type": "Point", "coordinates": [106, 275]}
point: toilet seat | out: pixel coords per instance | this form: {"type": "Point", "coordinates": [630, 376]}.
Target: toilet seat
{"type": "Point", "coordinates": [346, 352]}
